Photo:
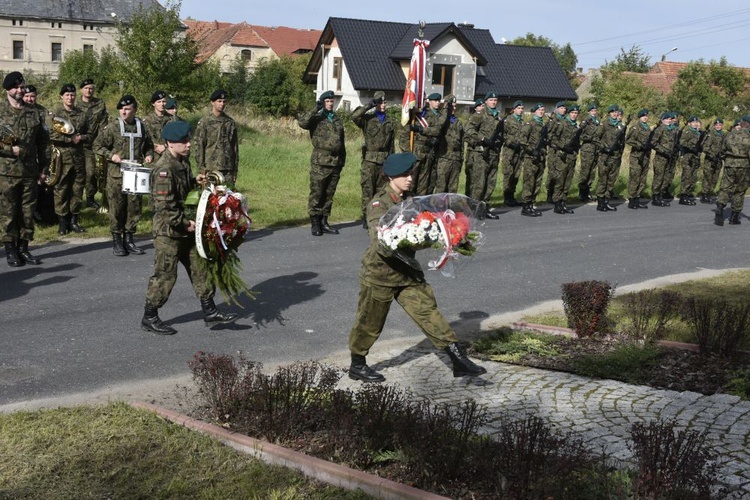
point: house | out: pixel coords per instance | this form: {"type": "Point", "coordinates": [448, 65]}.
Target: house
{"type": "Point", "coordinates": [355, 58]}
{"type": "Point", "coordinates": [224, 42]}
{"type": "Point", "coordinates": [35, 34]}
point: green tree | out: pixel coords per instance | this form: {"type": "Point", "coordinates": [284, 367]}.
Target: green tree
{"type": "Point", "coordinates": [633, 60]}
{"type": "Point", "coordinates": [565, 54]}
{"type": "Point", "coordinates": [276, 86]}
{"type": "Point", "coordinates": [236, 81]}
{"type": "Point", "coordinates": [713, 89]}
{"type": "Point", "coordinates": [81, 64]}
{"type": "Point", "coordinates": [612, 87]}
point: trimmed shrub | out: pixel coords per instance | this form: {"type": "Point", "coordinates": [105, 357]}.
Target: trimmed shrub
{"type": "Point", "coordinates": [585, 304]}
{"type": "Point", "coordinates": [718, 326]}
{"type": "Point", "coordinates": [650, 312]}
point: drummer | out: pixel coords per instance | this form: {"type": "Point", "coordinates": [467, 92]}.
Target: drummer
{"type": "Point", "coordinates": [126, 144]}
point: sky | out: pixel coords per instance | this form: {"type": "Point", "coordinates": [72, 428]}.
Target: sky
{"type": "Point", "coordinates": [596, 29]}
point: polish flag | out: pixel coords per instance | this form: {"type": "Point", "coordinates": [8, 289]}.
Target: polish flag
{"type": "Point", "coordinates": [414, 91]}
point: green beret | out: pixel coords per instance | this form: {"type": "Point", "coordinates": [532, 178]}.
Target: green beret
{"type": "Point", "coordinates": [434, 97]}
{"type": "Point", "coordinates": [126, 100]}
{"type": "Point", "coordinates": [561, 104]}
{"type": "Point", "coordinates": [478, 102]}
{"type": "Point", "coordinates": [12, 79]}
{"type": "Point", "coordinates": [574, 107]}
{"type": "Point", "coordinates": [490, 95]}
{"type": "Point", "coordinates": [158, 96]}
{"type": "Point", "coordinates": [171, 103]}
{"type": "Point", "coordinates": [666, 115]}
{"type": "Point", "coordinates": [176, 131]}
{"type": "Point", "coordinates": [643, 112]}
{"type": "Point", "coordinates": [68, 87]}
{"type": "Point", "coordinates": [516, 104]}
{"type": "Point", "coordinates": [613, 108]}
{"type": "Point", "coordinates": [222, 94]}
{"type": "Point", "coordinates": [328, 94]}
{"type": "Point", "coordinates": [536, 106]}
{"type": "Point", "coordinates": [718, 120]}
{"type": "Point", "coordinates": [398, 164]}
{"type": "Point", "coordinates": [450, 98]}
{"type": "Point", "coordinates": [746, 118]}
{"type": "Point", "coordinates": [379, 96]}
{"type": "Point", "coordinates": [591, 106]}
{"type": "Point", "coordinates": [736, 122]}
{"type": "Point", "coordinates": [693, 118]}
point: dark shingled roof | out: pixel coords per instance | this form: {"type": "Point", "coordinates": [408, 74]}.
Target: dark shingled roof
{"type": "Point", "coordinates": [74, 10]}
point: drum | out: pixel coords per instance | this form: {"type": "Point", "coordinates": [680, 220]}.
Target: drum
{"type": "Point", "coordinates": [136, 179]}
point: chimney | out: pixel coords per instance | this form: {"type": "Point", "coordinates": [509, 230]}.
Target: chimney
{"type": "Point", "coordinates": [465, 24]}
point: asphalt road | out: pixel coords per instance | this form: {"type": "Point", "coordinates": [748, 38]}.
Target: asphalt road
{"type": "Point", "coordinates": [72, 324]}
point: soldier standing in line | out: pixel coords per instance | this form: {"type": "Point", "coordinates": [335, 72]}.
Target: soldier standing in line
{"type": "Point", "coordinates": [611, 142]}
{"type": "Point", "coordinates": [589, 152]}
{"type": "Point", "coordinates": [484, 135]}
{"type": "Point", "coordinates": [671, 169]}
{"type": "Point", "coordinates": [450, 151]}
{"type": "Point", "coordinates": [638, 137]}
{"type": "Point", "coordinates": [24, 152]}
{"type": "Point", "coordinates": [712, 160]}
{"type": "Point", "coordinates": [171, 109]}
{"type": "Point", "coordinates": [554, 161]}
{"type": "Point", "coordinates": [378, 131]}
{"type": "Point", "coordinates": [663, 143]}
{"type": "Point", "coordinates": [30, 97]}
{"type": "Point", "coordinates": [469, 154]}
{"type": "Point", "coordinates": [512, 154]}
{"type": "Point", "coordinates": [124, 138]}
{"type": "Point", "coordinates": [72, 176]}
{"type": "Point", "coordinates": [44, 201]}
{"type": "Point", "coordinates": [155, 122]}
{"type": "Point", "coordinates": [386, 277]}
{"type": "Point", "coordinates": [691, 142]}
{"type": "Point", "coordinates": [174, 234]}
{"type": "Point", "coordinates": [216, 140]}
{"type": "Point", "coordinates": [568, 134]}
{"type": "Point", "coordinates": [98, 117]}
{"type": "Point", "coordinates": [427, 135]}
{"type": "Point", "coordinates": [328, 158]}
{"type": "Point", "coordinates": [533, 140]}
{"type": "Point", "coordinates": [736, 178]}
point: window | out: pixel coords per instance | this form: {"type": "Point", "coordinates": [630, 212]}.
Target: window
{"type": "Point", "coordinates": [247, 55]}
{"type": "Point", "coordinates": [52, 25]}
{"type": "Point", "coordinates": [56, 52]}
{"type": "Point", "coordinates": [19, 22]}
{"type": "Point", "coordinates": [338, 71]}
{"type": "Point", "coordinates": [88, 48]}
{"type": "Point", "coordinates": [17, 49]}
{"type": "Point", "coordinates": [443, 75]}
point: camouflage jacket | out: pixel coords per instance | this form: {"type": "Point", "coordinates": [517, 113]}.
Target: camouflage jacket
{"type": "Point", "coordinates": [80, 119]}
{"type": "Point", "coordinates": [563, 135]}
{"type": "Point", "coordinates": [712, 144]}
{"type": "Point", "coordinates": [530, 136]}
{"type": "Point", "coordinates": [44, 113]}
{"type": "Point", "coordinates": [381, 265]}
{"type": "Point", "coordinates": [512, 131]}
{"type": "Point", "coordinates": [736, 149]}
{"type": "Point", "coordinates": [590, 127]}
{"type": "Point", "coordinates": [689, 140]}
{"type": "Point", "coordinates": [638, 137]}
{"type": "Point", "coordinates": [452, 143]}
{"type": "Point", "coordinates": [216, 144]}
{"type": "Point", "coordinates": [171, 181]}
{"type": "Point", "coordinates": [663, 140]}
{"type": "Point", "coordinates": [115, 139]}
{"type": "Point", "coordinates": [484, 126]}
{"type": "Point", "coordinates": [327, 135]}
{"type": "Point", "coordinates": [98, 115]}
{"type": "Point", "coordinates": [155, 123]}
{"type": "Point", "coordinates": [31, 137]}
{"type": "Point", "coordinates": [378, 134]}
{"type": "Point", "coordinates": [608, 134]}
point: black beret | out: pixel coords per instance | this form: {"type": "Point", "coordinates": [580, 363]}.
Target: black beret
{"type": "Point", "coordinates": [12, 79]}
{"type": "Point", "coordinates": [574, 107]}
{"type": "Point", "coordinates": [398, 164]}
{"type": "Point", "coordinates": [516, 104]}
{"type": "Point", "coordinates": [328, 94]}
{"type": "Point", "coordinates": [435, 96]}
{"type": "Point", "coordinates": [561, 104]}
{"type": "Point", "coordinates": [126, 100]}
{"type": "Point", "coordinates": [490, 95]}
{"type": "Point", "coordinates": [68, 87]}
{"type": "Point", "coordinates": [643, 112]}
{"type": "Point", "coordinates": [29, 89]}
{"type": "Point", "coordinates": [87, 81]}
{"type": "Point", "coordinates": [536, 106]}
{"type": "Point", "coordinates": [171, 103]}
{"type": "Point", "coordinates": [176, 131]}
{"type": "Point", "coordinates": [218, 94]}
{"type": "Point", "coordinates": [158, 96]}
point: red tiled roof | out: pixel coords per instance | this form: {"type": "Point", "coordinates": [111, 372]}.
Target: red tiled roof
{"type": "Point", "coordinates": [284, 40]}
{"type": "Point", "coordinates": [663, 75]}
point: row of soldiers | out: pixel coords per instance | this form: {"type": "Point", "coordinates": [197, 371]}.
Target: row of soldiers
{"type": "Point", "coordinates": [84, 148]}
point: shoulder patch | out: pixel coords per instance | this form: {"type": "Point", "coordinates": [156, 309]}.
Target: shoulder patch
{"type": "Point", "coordinates": [376, 203]}
{"type": "Point", "coordinates": [163, 174]}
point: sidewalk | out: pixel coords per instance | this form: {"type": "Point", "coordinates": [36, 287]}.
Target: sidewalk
{"type": "Point", "coordinates": [601, 411]}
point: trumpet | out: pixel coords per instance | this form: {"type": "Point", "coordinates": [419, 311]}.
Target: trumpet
{"type": "Point", "coordinates": [62, 126]}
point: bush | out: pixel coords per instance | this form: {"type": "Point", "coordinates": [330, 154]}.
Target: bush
{"type": "Point", "coordinates": [585, 304]}
{"type": "Point", "coordinates": [650, 312]}
{"type": "Point", "coordinates": [718, 326]}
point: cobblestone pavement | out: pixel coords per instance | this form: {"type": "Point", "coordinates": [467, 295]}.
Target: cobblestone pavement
{"type": "Point", "coordinates": [601, 411]}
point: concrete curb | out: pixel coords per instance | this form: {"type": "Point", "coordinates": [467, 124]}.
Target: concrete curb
{"type": "Point", "coordinates": [316, 468]}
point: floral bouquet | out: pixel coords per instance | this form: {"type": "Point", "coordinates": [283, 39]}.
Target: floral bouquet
{"type": "Point", "coordinates": [221, 221]}
{"type": "Point", "coordinates": [442, 222]}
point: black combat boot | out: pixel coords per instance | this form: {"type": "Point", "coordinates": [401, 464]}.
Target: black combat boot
{"type": "Point", "coordinates": [528, 210]}
{"type": "Point", "coordinates": [610, 208]}
{"type": "Point", "coordinates": [657, 201]}
{"type": "Point", "coordinates": [633, 203]}
{"type": "Point", "coordinates": [91, 203]}
{"type": "Point", "coordinates": [63, 227]}
{"type": "Point", "coordinates": [11, 253]}
{"type": "Point", "coordinates": [558, 208]}
{"type": "Point", "coordinates": [685, 200]}
{"type": "Point", "coordinates": [462, 365]}
{"type": "Point", "coordinates": [601, 204]}
{"type": "Point", "coordinates": [315, 225]}
{"type": "Point", "coordinates": [719, 217]}
{"type": "Point", "coordinates": [488, 213]}
{"type": "Point", "coordinates": [152, 323]}
{"type": "Point", "coordinates": [74, 226]}
{"type": "Point", "coordinates": [23, 252]}
{"type": "Point", "coordinates": [509, 200]}
{"type": "Point", "coordinates": [667, 195]}
{"type": "Point", "coordinates": [584, 194]}
{"type": "Point", "coordinates": [565, 208]}
{"type": "Point", "coordinates": [640, 204]}
{"type": "Point", "coordinates": [325, 227]}
{"type": "Point", "coordinates": [734, 219]}
{"type": "Point", "coordinates": [130, 245]}
{"type": "Point", "coordinates": [118, 246]}
{"type": "Point", "coordinates": [212, 315]}
{"type": "Point", "coordinates": [360, 371]}
{"type": "Point", "coordinates": [705, 198]}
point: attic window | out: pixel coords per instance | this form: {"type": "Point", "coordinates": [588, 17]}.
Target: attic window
{"type": "Point", "coordinates": [247, 54]}
{"type": "Point", "coordinates": [20, 22]}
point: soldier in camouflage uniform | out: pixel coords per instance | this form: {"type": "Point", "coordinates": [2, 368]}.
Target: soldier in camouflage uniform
{"type": "Point", "coordinates": [712, 160]}
{"type": "Point", "coordinates": [554, 162]}
{"type": "Point", "coordinates": [565, 149]}
{"type": "Point", "coordinates": [450, 151]}
{"type": "Point", "coordinates": [155, 122]}
{"type": "Point", "coordinates": [45, 204]}
{"type": "Point", "coordinates": [378, 131]}
{"type": "Point", "coordinates": [174, 234]}
{"type": "Point", "coordinates": [23, 154]}
{"type": "Point", "coordinates": [484, 135]}
{"type": "Point", "coordinates": [691, 142]}
{"type": "Point", "coordinates": [428, 131]}
{"type": "Point", "coordinates": [533, 140]}
{"type": "Point", "coordinates": [216, 140]}
{"type": "Point", "coordinates": [638, 138]}
{"type": "Point", "coordinates": [512, 153]}
{"type": "Point", "coordinates": [171, 108]}
{"type": "Point", "coordinates": [328, 158]}
{"type": "Point", "coordinates": [98, 120]}
{"type": "Point", "coordinates": [478, 108]}
{"type": "Point", "coordinates": [736, 178]}
{"type": "Point", "coordinates": [611, 138]}
{"type": "Point", "coordinates": [124, 138]}
{"type": "Point", "coordinates": [589, 152]}
{"type": "Point", "coordinates": [663, 141]}
{"type": "Point", "coordinates": [72, 176]}
{"type": "Point", "coordinates": [389, 275]}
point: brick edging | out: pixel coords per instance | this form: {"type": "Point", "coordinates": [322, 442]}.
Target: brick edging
{"type": "Point", "coordinates": [322, 470]}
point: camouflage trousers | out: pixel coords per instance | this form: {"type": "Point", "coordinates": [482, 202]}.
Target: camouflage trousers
{"type": "Point", "coordinates": [482, 180]}
{"type": "Point", "coordinates": [168, 252]}
{"type": "Point", "coordinates": [734, 184]}
{"type": "Point", "coordinates": [124, 209]}
{"type": "Point", "coordinates": [448, 171]}
{"type": "Point", "coordinates": [418, 301]}
{"type": "Point", "coordinates": [669, 173]}
{"type": "Point", "coordinates": [587, 172]}
{"type": "Point", "coordinates": [711, 171]}
{"type": "Point", "coordinates": [638, 172]}
{"type": "Point", "coordinates": [691, 163]}
{"type": "Point", "coordinates": [533, 170]}
{"type": "Point", "coordinates": [69, 188]}
{"type": "Point", "coordinates": [659, 183]}
{"type": "Point", "coordinates": [423, 175]}
{"type": "Point", "coordinates": [92, 178]}
{"type": "Point", "coordinates": [371, 180]}
{"type": "Point", "coordinates": [512, 162]}
{"type": "Point", "coordinates": [564, 176]}
{"type": "Point", "coordinates": [323, 182]}
{"type": "Point", "coordinates": [555, 165]}
{"type": "Point", "coordinates": [17, 201]}
{"type": "Point", "coordinates": [609, 169]}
